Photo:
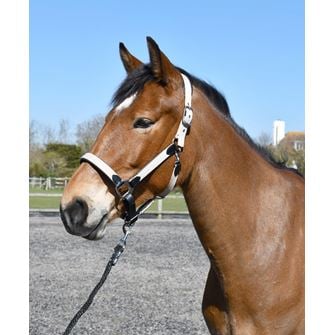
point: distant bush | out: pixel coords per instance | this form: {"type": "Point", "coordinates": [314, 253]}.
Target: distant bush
{"type": "Point", "coordinates": [289, 156]}
{"type": "Point", "coordinates": [56, 160]}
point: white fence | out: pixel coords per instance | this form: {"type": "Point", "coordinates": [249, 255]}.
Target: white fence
{"type": "Point", "coordinates": [51, 183]}
{"type": "Point", "coordinates": [47, 183]}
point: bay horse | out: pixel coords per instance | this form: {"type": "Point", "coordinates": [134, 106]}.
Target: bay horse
{"type": "Point", "coordinates": [247, 210]}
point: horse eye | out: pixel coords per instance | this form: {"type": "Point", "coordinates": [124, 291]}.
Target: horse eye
{"type": "Point", "coordinates": [143, 123]}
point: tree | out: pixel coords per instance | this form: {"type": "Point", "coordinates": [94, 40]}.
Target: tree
{"type": "Point", "coordinates": [52, 158]}
{"type": "Point", "coordinates": [33, 134]}
{"type": "Point", "coordinates": [63, 158]}
{"type": "Point", "coordinates": [48, 134]}
{"type": "Point", "coordinates": [55, 164]}
{"type": "Point", "coordinates": [36, 164]}
{"type": "Point", "coordinates": [285, 154]}
{"type": "Point", "coordinates": [264, 139]}
{"type": "Point", "coordinates": [87, 132]}
{"type": "Point", "coordinates": [35, 151]}
{"type": "Point", "coordinates": [63, 131]}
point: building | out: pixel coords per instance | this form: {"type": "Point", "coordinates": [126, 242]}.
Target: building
{"type": "Point", "coordinates": [294, 140]}
{"type": "Point", "coordinates": [278, 131]}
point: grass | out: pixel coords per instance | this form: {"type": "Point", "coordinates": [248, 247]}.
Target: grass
{"type": "Point", "coordinates": [45, 202]}
{"type": "Point", "coordinates": [40, 190]}
{"type": "Point", "coordinates": [41, 202]}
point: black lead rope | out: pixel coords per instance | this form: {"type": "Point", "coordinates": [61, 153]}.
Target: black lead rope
{"type": "Point", "coordinates": [118, 250]}
{"type": "Point", "coordinates": [131, 216]}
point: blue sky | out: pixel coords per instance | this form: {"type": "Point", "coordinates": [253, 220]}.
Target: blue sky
{"type": "Point", "coordinates": [252, 51]}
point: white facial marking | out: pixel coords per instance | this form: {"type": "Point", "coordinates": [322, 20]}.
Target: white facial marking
{"type": "Point", "coordinates": [126, 103]}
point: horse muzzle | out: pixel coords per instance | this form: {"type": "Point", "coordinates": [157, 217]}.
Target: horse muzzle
{"type": "Point", "coordinates": [80, 220]}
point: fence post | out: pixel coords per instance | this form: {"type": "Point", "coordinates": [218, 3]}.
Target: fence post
{"type": "Point", "coordinates": [160, 208]}
{"type": "Point", "coordinates": [48, 183]}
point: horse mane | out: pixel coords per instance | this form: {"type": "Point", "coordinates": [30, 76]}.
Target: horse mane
{"type": "Point", "coordinates": [136, 80]}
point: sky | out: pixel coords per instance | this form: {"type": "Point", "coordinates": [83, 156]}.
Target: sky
{"type": "Point", "coordinates": [251, 51]}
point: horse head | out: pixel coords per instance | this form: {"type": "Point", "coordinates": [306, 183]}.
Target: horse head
{"type": "Point", "coordinates": [142, 121]}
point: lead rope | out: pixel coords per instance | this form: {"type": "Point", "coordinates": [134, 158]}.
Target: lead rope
{"type": "Point", "coordinates": [118, 250]}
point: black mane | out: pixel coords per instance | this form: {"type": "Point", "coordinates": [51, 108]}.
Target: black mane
{"type": "Point", "coordinates": [136, 80]}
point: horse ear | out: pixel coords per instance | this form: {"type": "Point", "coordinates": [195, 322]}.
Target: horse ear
{"type": "Point", "coordinates": [162, 68]}
{"type": "Point", "coordinates": [129, 61]}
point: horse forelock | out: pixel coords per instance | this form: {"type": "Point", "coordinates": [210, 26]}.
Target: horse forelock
{"type": "Point", "coordinates": [132, 84]}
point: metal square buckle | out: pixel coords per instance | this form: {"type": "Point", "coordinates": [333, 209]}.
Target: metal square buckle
{"type": "Point", "coordinates": [123, 188]}
{"type": "Point", "coordinates": [187, 117]}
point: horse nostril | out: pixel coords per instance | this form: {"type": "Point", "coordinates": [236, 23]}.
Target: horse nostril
{"type": "Point", "coordinates": [74, 214]}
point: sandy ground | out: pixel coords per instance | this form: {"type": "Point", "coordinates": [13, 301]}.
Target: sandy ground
{"type": "Point", "coordinates": [156, 288]}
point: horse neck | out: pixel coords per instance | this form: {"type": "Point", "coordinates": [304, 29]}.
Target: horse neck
{"type": "Point", "coordinates": [225, 185]}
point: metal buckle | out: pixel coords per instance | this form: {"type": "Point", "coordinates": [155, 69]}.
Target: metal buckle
{"type": "Point", "coordinates": [187, 117]}
{"type": "Point", "coordinates": [123, 188]}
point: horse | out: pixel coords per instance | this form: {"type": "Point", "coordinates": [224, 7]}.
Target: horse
{"type": "Point", "coordinates": [247, 210]}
